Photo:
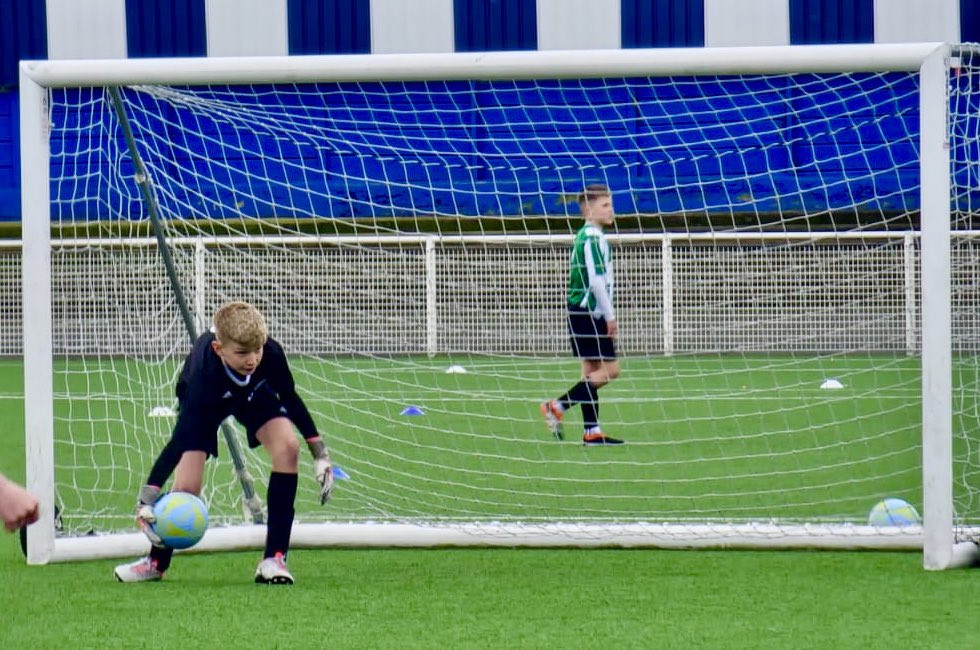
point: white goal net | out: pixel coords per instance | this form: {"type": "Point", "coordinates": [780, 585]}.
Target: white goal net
{"type": "Point", "coordinates": [405, 227]}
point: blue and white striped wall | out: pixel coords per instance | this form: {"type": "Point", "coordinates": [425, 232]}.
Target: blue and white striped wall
{"type": "Point", "coordinates": [137, 28]}
{"type": "Point", "coordinates": [88, 29]}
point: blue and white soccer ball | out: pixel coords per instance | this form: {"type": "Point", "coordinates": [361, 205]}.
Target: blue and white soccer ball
{"type": "Point", "coordinates": [894, 512]}
{"type": "Point", "coordinates": [182, 519]}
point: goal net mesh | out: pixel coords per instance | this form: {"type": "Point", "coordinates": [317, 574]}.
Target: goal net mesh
{"type": "Point", "coordinates": [408, 243]}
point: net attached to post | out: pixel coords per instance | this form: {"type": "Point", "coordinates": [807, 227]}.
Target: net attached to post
{"type": "Point", "coordinates": [408, 242]}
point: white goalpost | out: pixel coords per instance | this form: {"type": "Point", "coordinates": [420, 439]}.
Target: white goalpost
{"type": "Point", "coordinates": [795, 257]}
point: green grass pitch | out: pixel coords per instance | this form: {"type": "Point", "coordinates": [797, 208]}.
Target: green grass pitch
{"type": "Point", "coordinates": [480, 598]}
{"type": "Point", "coordinates": [709, 438]}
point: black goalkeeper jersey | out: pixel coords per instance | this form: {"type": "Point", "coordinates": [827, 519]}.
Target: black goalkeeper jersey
{"type": "Point", "coordinates": [208, 392]}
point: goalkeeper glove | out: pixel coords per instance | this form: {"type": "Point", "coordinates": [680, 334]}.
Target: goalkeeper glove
{"type": "Point", "coordinates": [144, 513]}
{"type": "Point", "coordinates": [322, 468]}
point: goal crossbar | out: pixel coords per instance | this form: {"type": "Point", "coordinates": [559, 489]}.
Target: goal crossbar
{"type": "Point", "coordinates": [483, 65]}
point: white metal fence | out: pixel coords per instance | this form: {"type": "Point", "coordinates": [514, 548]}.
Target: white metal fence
{"type": "Point", "coordinates": [678, 294]}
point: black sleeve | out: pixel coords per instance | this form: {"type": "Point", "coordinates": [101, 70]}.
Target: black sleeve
{"type": "Point", "coordinates": [194, 420]}
{"type": "Point", "coordinates": [189, 415]}
{"type": "Point", "coordinates": [282, 379]}
{"type": "Point", "coordinates": [165, 463]}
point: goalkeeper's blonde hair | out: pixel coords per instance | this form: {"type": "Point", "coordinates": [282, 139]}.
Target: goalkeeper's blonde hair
{"type": "Point", "coordinates": [241, 323]}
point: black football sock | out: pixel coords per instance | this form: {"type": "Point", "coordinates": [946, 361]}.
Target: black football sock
{"type": "Point", "coordinates": [161, 557]}
{"type": "Point", "coordinates": [281, 498]}
{"type": "Point", "coordinates": [590, 407]}
{"type": "Point", "coordinates": [580, 392]}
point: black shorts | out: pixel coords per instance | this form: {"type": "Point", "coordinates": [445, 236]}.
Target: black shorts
{"type": "Point", "coordinates": [252, 411]}
{"type": "Point", "coordinates": [263, 404]}
{"type": "Point", "coordinates": [589, 336]}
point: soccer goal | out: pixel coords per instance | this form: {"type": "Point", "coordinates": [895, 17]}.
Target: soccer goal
{"type": "Point", "coordinates": [796, 257]}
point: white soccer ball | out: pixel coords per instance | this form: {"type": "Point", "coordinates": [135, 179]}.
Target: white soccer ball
{"type": "Point", "coordinates": [182, 519]}
{"type": "Point", "coordinates": [894, 512]}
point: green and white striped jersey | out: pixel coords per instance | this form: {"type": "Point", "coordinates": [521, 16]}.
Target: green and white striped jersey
{"type": "Point", "coordinates": [590, 282]}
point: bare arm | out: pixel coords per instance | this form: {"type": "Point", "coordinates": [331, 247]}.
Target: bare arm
{"type": "Point", "coordinates": [18, 507]}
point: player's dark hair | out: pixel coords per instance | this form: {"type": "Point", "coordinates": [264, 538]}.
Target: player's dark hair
{"type": "Point", "coordinates": [593, 192]}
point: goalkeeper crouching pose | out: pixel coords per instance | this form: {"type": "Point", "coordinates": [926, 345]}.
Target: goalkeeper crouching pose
{"type": "Point", "coordinates": [236, 369]}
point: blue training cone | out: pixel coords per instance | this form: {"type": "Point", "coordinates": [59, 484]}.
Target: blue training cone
{"type": "Point", "coordinates": [413, 410]}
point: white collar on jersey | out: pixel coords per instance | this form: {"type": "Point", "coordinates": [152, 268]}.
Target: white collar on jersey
{"type": "Point", "coordinates": [235, 377]}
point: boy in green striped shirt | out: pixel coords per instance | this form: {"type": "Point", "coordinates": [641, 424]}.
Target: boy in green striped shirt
{"type": "Point", "coordinates": [592, 324]}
